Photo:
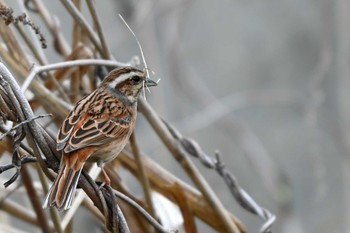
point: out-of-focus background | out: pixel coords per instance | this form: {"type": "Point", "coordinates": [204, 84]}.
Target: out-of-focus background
{"type": "Point", "coordinates": [264, 82]}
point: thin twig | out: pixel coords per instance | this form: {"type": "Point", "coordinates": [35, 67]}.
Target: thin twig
{"type": "Point", "coordinates": [22, 123]}
{"type": "Point", "coordinates": [138, 43]}
{"type": "Point", "coordinates": [144, 180]}
{"type": "Point", "coordinates": [24, 160]}
{"type": "Point", "coordinates": [142, 56]}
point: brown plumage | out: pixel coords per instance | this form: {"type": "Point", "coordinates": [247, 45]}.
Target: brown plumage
{"type": "Point", "coordinates": [96, 130]}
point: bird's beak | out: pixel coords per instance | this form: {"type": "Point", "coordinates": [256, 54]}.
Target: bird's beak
{"type": "Point", "coordinates": [150, 83]}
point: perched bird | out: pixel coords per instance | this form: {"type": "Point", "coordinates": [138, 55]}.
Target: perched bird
{"type": "Point", "coordinates": [96, 130]}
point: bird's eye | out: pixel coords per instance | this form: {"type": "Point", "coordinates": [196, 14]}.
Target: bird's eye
{"type": "Point", "coordinates": [136, 79]}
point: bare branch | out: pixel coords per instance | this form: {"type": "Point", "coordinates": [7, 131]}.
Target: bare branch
{"type": "Point", "coordinates": [84, 62]}
{"type": "Point", "coordinates": [22, 123]}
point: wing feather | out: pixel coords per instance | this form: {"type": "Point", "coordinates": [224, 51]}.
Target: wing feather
{"type": "Point", "coordinates": [94, 123]}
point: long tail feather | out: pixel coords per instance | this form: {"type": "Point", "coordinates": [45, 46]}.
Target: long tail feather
{"type": "Point", "coordinates": [61, 193]}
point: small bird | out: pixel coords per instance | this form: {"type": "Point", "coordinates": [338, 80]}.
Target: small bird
{"type": "Point", "coordinates": [96, 130]}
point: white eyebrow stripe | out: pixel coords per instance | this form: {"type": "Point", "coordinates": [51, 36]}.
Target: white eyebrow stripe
{"type": "Point", "coordinates": [122, 78]}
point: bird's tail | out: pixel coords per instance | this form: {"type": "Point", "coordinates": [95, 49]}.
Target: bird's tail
{"type": "Point", "coordinates": [61, 193]}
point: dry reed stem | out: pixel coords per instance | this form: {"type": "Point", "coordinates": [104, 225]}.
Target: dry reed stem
{"type": "Point", "coordinates": [179, 196]}
{"type": "Point", "coordinates": [78, 17]}
{"type": "Point", "coordinates": [144, 181]}
{"type": "Point", "coordinates": [17, 211]}
{"type": "Point", "coordinates": [35, 200]}
{"type": "Point", "coordinates": [99, 28]}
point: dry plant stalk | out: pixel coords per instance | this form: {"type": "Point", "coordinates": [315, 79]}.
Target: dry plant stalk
{"type": "Point", "coordinates": [127, 213]}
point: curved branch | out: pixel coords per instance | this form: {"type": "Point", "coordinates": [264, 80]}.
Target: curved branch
{"type": "Point", "coordinates": [147, 216]}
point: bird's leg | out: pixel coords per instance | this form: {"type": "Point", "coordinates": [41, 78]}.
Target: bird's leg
{"type": "Point", "coordinates": [107, 180]}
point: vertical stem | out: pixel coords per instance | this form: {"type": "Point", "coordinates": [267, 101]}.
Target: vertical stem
{"type": "Point", "coordinates": [75, 81]}
{"type": "Point", "coordinates": [97, 24]}
{"type": "Point", "coordinates": [49, 19]}
{"type": "Point", "coordinates": [36, 203]}
{"type": "Point", "coordinates": [142, 174]}
{"type": "Point", "coordinates": [78, 17]}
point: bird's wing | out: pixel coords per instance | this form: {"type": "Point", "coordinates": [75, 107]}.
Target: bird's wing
{"type": "Point", "coordinates": [94, 121]}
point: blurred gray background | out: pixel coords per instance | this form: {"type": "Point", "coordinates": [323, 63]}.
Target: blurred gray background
{"type": "Point", "coordinates": [267, 84]}
{"type": "Point", "coordinates": [264, 82]}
